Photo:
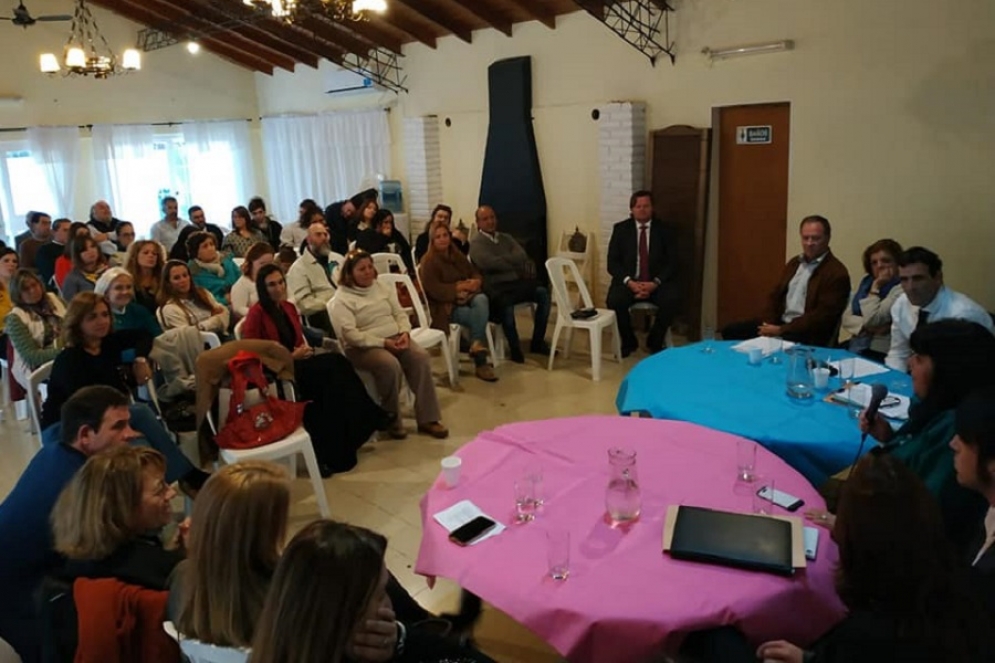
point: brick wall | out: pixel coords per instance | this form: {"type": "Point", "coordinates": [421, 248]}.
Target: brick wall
{"type": "Point", "coordinates": [423, 160]}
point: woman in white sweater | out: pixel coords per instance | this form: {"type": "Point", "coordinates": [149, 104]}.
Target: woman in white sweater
{"type": "Point", "coordinates": [374, 331]}
{"type": "Point", "coordinates": [243, 293]}
{"type": "Point", "coordinates": [868, 317]}
{"type": "Point", "coordinates": [183, 304]}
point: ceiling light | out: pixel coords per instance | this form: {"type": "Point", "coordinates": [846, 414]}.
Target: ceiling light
{"type": "Point", "coordinates": [87, 53]}
{"type": "Point", "coordinates": [369, 6]}
{"type": "Point", "coordinates": [338, 10]}
{"type": "Point", "coordinates": [748, 49]}
{"type": "Point", "coordinates": [193, 47]}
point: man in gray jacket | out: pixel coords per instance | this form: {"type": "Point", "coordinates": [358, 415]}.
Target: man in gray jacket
{"type": "Point", "coordinates": [509, 279]}
{"type": "Point", "coordinates": [311, 281]}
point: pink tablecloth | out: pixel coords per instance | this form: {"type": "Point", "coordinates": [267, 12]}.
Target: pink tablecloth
{"type": "Point", "coordinates": [624, 599]}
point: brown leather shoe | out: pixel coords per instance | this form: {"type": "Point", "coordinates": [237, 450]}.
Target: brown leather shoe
{"type": "Point", "coordinates": [477, 348]}
{"type": "Point", "coordinates": [435, 429]}
{"type": "Point", "coordinates": [396, 430]}
{"type": "Point", "coordinates": [486, 373]}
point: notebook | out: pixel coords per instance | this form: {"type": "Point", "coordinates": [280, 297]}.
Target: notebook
{"type": "Point", "coordinates": [733, 539]}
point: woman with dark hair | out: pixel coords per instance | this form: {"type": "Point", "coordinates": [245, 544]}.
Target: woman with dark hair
{"type": "Point", "coordinates": [146, 259]}
{"type": "Point", "coordinates": [243, 293]}
{"type": "Point", "coordinates": [64, 263]}
{"type": "Point", "coordinates": [185, 304]}
{"type": "Point", "coordinates": [383, 237]}
{"type": "Point", "coordinates": [295, 234]}
{"type": "Point", "coordinates": [868, 318]}
{"type": "Point", "coordinates": [443, 213]}
{"type": "Point", "coordinates": [211, 270]}
{"type": "Point", "coordinates": [88, 264]}
{"type": "Point", "coordinates": [33, 325]}
{"type": "Point", "coordinates": [365, 212]}
{"type": "Point", "coordinates": [243, 235]}
{"type": "Point", "coordinates": [8, 267]}
{"type": "Point", "coordinates": [340, 415]}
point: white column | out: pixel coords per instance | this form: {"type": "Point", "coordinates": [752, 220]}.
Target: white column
{"type": "Point", "coordinates": [423, 160]}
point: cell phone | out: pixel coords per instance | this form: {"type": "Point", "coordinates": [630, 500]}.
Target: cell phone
{"type": "Point", "coordinates": [781, 499]}
{"type": "Point", "coordinates": [473, 530]}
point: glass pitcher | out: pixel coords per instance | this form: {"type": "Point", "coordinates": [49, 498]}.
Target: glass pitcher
{"type": "Point", "coordinates": [800, 380]}
{"type": "Point", "coordinates": [622, 498]}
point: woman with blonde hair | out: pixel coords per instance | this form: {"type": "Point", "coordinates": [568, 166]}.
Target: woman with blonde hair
{"type": "Point", "coordinates": [145, 261]}
{"type": "Point", "coordinates": [243, 293]}
{"type": "Point", "coordinates": [8, 267]}
{"type": "Point", "coordinates": [33, 325]}
{"type": "Point", "coordinates": [185, 304]}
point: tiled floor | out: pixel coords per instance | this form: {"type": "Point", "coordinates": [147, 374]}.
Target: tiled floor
{"type": "Point", "coordinates": [383, 492]}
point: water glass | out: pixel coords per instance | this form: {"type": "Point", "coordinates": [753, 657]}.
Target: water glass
{"type": "Point", "coordinates": [533, 473]}
{"type": "Point", "coordinates": [558, 553]}
{"type": "Point", "coordinates": [775, 350]}
{"type": "Point", "coordinates": [525, 505]}
{"type": "Point", "coordinates": [707, 339]}
{"type": "Point", "coordinates": [746, 461]}
{"type": "Point", "coordinates": [451, 470]}
{"type": "Point", "coordinates": [763, 505]}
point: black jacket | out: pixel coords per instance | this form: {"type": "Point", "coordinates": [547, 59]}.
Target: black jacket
{"type": "Point", "coordinates": [623, 252]}
{"type": "Point", "coordinates": [179, 250]}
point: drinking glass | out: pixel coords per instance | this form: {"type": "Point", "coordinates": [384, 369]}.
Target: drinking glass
{"type": "Point", "coordinates": [558, 553]}
{"type": "Point", "coordinates": [533, 473]}
{"type": "Point", "coordinates": [707, 339]}
{"type": "Point", "coordinates": [746, 460]}
{"type": "Point", "coordinates": [775, 350]}
{"type": "Point", "coordinates": [762, 505]}
{"type": "Point", "coordinates": [525, 505]}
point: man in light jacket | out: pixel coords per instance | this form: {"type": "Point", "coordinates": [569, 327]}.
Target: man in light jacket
{"type": "Point", "coordinates": [311, 278]}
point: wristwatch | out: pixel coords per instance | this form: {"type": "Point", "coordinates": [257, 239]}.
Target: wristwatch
{"type": "Point", "coordinates": [402, 636]}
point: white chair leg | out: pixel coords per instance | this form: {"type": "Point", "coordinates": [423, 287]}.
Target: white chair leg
{"type": "Point", "coordinates": [552, 346]}
{"type": "Point", "coordinates": [319, 487]}
{"type": "Point", "coordinates": [567, 342]}
{"type": "Point", "coordinates": [595, 354]}
{"type": "Point", "coordinates": [451, 368]}
{"type": "Point", "coordinates": [492, 345]}
{"type": "Point", "coordinates": [292, 466]}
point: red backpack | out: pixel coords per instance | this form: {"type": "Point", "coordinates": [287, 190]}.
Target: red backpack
{"type": "Point", "coordinates": [264, 423]}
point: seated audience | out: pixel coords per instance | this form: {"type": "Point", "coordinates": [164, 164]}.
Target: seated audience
{"type": "Point", "coordinates": [243, 293]}
{"type": "Point", "coordinates": [64, 263]}
{"type": "Point", "coordinates": [33, 325]}
{"type": "Point", "coordinates": [383, 237]}
{"type": "Point", "coordinates": [107, 524]}
{"type": "Point", "coordinates": [125, 236]}
{"type": "Point", "coordinates": [809, 298]}
{"type": "Point", "coordinates": [50, 252]}
{"type": "Point", "coordinates": [907, 597]}
{"type": "Point", "coordinates": [146, 259]}
{"type": "Point", "coordinates": [88, 264]}
{"type": "Point", "coordinates": [642, 261]}
{"type": "Point", "coordinates": [198, 223]}
{"type": "Point", "coordinates": [211, 270]}
{"type": "Point", "coordinates": [243, 233]}
{"type": "Point", "coordinates": [102, 226]}
{"type": "Point", "coordinates": [951, 358]}
{"type": "Point", "coordinates": [93, 419]}
{"type": "Point", "coordinates": [367, 210]}
{"type": "Point", "coordinates": [40, 229]}
{"type": "Point", "coordinates": [167, 230]}
{"type": "Point", "coordinates": [266, 224]}
{"type": "Point", "coordinates": [342, 218]}
{"type": "Point", "coordinates": [95, 354]}
{"type": "Point", "coordinates": [329, 600]}
{"type": "Point", "coordinates": [509, 279]}
{"type": "Point", "coordinates": [286, 257]}
{"type": "Point", "coordinates": [868, 318]}
{"type": "Point", "coordinates": [455, 294]}
{"type": "Point", "coordinates": [374, 332]}
{"type": "Point", "coordinates": [443, 213]}
{"type": "Point", "coordinates": [925, 299]}
{"type": "Point", "coordinates": [116, 285]}
{"type": "Point", "coordinates": [311, 279]}
{"type": "Point", "coordinates": [8, 267]}
{"type": "Point", "coordinates": [295, 234]}
{"type": "Point", "coordinates": [340, 415]}
{"type": "Point", "coordinates": [182, 303]}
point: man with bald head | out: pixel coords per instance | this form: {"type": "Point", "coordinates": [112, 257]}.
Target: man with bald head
{"type": "Point", "coordinates": [103, 227]}
{"type": "Point", "coordinates": [509, 279]}
{"type": "Point", "coordinates": [310, 279]}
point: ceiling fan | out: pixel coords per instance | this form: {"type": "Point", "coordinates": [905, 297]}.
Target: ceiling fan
{"type": "Point", "coordinates": [23, 18]}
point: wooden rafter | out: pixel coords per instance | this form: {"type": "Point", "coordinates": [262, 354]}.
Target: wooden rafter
{"type": "Point", "coordinates": [447, 22]}
{"type": "Point", "coordinates": [486, 12]}
{"type": "Point", "coordinates": [540, 14]}
{"type": "Point", "coordinates": [328, 31]}
{"type": "Point", "coordinates": [374, 33]}
{"type": "Point", "coordinates": [235, 55]}
{"type": "Point", "coordinates": [398, 21]}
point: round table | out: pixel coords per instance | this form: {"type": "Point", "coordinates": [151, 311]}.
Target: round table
{"type": "Point", "coordinates": [723, 391]}
{"type": "Point", "coordinates": [625, 599]}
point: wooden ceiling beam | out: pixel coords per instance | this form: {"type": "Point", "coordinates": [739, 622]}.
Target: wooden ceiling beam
{"type": "Point", "coordinates": [373, 33]}
{"type": "Point", "coordinates": [334, 32]}
{"type": "Point", "coordinates": [141, 15]}
{"type": "Point", "coordinates": [440, 18]}
{"type": "Point", "coordinates": [257, 32]}
{"type": "Point", "coordinates": [540, 14]}
{"type": "Point", "coordinates": [393, 18]}
{"type": "Point", "coordinates": [486, 12]}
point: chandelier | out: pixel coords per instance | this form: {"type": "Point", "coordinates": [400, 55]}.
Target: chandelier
{"type": "Point", "coordinates": [338, 10]}
{"type": "Point", "coordinates": [87, 52]}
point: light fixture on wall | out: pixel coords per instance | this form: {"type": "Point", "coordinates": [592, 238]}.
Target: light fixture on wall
{"type": "Point", "coordinates": [339, 10]}
{"type": "Point", "coordinates": [193, 47]}
{"type": "Point", "coordinates": [87, 52]}
{"type": "Point", "coordinates": [748, 49]}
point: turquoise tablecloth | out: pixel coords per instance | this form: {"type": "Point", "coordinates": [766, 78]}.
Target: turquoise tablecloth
{"type": "Point", "coordinates": [722, 391]}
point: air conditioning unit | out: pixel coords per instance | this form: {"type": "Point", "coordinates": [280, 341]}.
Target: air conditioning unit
{"type": "Point", "coordinates": [343, 81]}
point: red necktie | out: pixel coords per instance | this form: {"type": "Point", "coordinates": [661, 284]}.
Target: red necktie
{"type": "Point", "coordinates": [644, 254]}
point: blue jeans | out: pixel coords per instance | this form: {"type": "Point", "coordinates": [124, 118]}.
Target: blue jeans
{"type": "Point", "coordinates": [542, 302]}
{"type": "Point", "coordinates": [154, 434]}
{"type": "Point", "coordinates": [474, 317]}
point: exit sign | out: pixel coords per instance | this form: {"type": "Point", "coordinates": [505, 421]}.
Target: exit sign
{"type": "Point", "coordinates": [760, 135]}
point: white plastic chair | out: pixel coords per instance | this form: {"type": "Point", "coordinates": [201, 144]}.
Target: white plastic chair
{"type": "Point", "coordinates": [564, 306]}
{"type": "Point", "coordinates": [35, 380]}
{"type": "Point", "coordinates": [238, 329]}
{"type": "Point", "coordinates": [202, 652]}
{"type": "Point", "coordinates": [298, 442]}
{"type": "Point", "coordinates": [384, 261]}
{"type": "Point", "coordinates": [423, 334]}
{"type": "Point", "coordinates": [7, 653]}
{"type": "Point", "coordinates": [5, 379]}
{"type": "Point", "coordinates": [238, 261]}
{"type": "Point", "coordinates": [210, 340]}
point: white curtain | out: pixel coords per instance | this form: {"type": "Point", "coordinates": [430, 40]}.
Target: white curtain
{"type": "Point", "coordinates": [123, 161]}
{"type": "Point", "coordinates": [56, 151]}
{"type": "Point", "coordinates": [324, 157]}
{"type": "Point", "coordinates": [219, 161]}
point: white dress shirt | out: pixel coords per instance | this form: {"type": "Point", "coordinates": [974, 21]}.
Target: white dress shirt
{"type": "Point", "coordinates": [794, 302]}
{"type": "Point", "coordinates": [946, 304]}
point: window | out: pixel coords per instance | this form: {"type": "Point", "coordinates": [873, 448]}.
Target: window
{"type": "Point", "coordinates": [24, 188]}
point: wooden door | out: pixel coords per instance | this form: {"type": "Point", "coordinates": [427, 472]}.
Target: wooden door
{"type": "Point", "coordinates": [753, 206]}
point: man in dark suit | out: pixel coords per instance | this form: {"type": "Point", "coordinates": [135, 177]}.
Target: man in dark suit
{"type": "Point", "coordinates": [807, 303]}
{"type": "Point", "coordinates": [643, 267]}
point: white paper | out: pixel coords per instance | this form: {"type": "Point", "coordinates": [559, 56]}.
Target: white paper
{"type": "Point", "coordinates": [460, 514]}
{"type": "Point", "coordinates": [811, 542]}
{"type": "Point", "coordinates": [862, 367]}
{"type": "Point", "coordinates": [768, 344]}
{"type": "Point", "coordinates": [860, 394]}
